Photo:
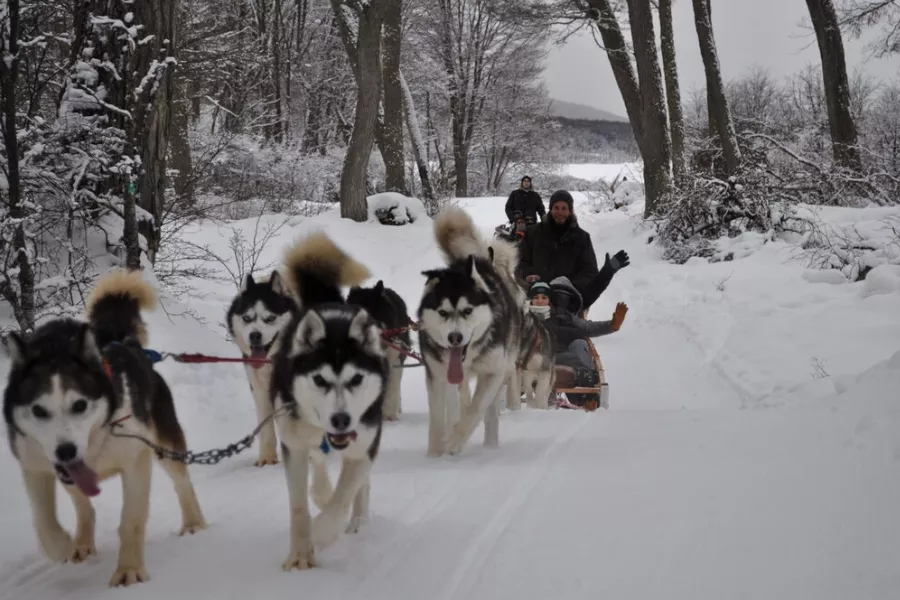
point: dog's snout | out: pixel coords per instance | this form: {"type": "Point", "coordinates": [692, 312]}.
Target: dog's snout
{"type": "Point", "coordinates": [66, 452]}
{"type": "Point", "coordinates": [340, 421]}
{"type": "Point", "coordinates": [255, 338]}
{"type": "Point", "coordinates": [455, 338]}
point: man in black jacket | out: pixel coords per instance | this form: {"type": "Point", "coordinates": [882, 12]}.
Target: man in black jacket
{"type": "Point", "coordinates": [525, 201]}
{"type": "Point", "coordinates": [558, 247]}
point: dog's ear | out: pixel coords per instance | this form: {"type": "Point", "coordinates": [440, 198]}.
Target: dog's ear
{"type": "Point", "coordinates": [85, 344]}
{"type": "Point", "coordinates": [432, 273]}
{"type": "Point", "coordinates": [379, 287]}
{"type": "Point", "coordinates": [15, 347]}
{"type": "Point", "coordinates": [472, 271]}
{"type": "Point", "coordinates": [278, 285]}
{"type": "Point", "coordinates": [247, 283]}
{"type": "Point", "coordinates": [364, 331]}
{"type": "Point", "coordinates": [310, 332]}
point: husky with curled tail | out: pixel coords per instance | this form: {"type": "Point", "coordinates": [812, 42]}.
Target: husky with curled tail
{"type": "Point", "coordinates": [70, 383]}
{"type": "Point", "coordinates": [470, 322]}
{"type": "Point", "coordinates": [329, 383]}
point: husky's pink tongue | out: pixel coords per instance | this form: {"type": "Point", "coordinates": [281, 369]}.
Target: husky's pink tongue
{"type": "Point", "coordinates": [455, 368]}
{"type": "Point", "coordinates": [84, 477]}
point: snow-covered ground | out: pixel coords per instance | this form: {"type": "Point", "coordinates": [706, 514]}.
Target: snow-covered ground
{"type": "Point", "coordinates": [752, 450]}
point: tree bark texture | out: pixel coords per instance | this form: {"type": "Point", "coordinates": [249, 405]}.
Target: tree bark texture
{"type": "Point", "coordinates": [392, 123]}
{"type": "Point", "coordinates": [22, 301]}
{"type": "Point", "coordinates": [152, 117]}
{"type": "Point", "coordinates": [367, 59]}
{"type": "Point", "coordinates": [620, 60]}
{"type": "Point", "coordinates": [837, 88]}
{"type": "Point", "coordinates": [657, 149]}
{"type": "Point", "coordinates": [673, 93]}
{"type": "Point", "coordinates": [416, 139]}
{"type": "Point", "coordinates": [719, 112]}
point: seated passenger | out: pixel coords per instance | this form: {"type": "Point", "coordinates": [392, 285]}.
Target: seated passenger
{"type": "Point", "coordinates": [571, 330]}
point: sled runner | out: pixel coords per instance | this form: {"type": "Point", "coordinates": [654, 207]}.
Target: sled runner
{"type": "Point", "coordinates": [592, 397]}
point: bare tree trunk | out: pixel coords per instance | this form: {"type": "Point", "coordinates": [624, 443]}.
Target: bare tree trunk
{"type": "Point", "coordinates": [180, 149]}
{"type": "Point", "coordinates": [657, 149]}
{"type": "Point", "coordinates": [420, 151]}
{"type": "Point", "coordinates": [22, 301]}
{"type": "Point", "coordinates": [392, 124]}
{"type": "Point", "coordinates": [673, 93]}
{"type": "Point", "coordinates": [715, 89]}
{"type": "Point", "coordinates": [620, 61]}
{"type": "Point", "coordinates": [275, 40]}
{"type": "Point", "coordinates": [368, 94]}
{"type": "Point", "coordinates": [151, 111]}
{"type": "Point", "coordinates": [837, 88]}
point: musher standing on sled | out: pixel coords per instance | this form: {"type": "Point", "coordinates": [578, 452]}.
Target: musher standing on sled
{"type": "Point", "coordinates": [526, 202]}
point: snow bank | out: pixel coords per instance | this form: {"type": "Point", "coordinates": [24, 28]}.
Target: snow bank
{"type": "Point", "coordinates": [393, 208]}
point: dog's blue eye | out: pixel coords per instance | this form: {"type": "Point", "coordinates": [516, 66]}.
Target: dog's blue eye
{"type": "Point", "coordinates": [248, 319]}
{"type": "Point", "coordinates": [79, 407]}
{"type": "Point", "coordinates": [443, 313]}
{"type": "Point", "coordinates": [321, 382]}
{"type": "Point", "coordinates": [40, 412]}
{"type": "Point", "coordinates": [466, 311]}
{"type": "Point", "coordinates": [355, 380]}
{"type": "Point", "coordinates": [269, 320]}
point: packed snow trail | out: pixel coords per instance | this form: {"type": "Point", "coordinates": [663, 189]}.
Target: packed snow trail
{"type": "Point", "coordinates": [722, 470]}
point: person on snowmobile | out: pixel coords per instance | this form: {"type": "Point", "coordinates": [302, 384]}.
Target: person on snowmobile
{"type": "Point", "coordinates": [558, 247]}
{"type": "Point", "coordinates": [525, 201]}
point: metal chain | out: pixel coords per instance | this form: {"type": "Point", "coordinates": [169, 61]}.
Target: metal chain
{"type": "Point", "coordinates": [207, 457]}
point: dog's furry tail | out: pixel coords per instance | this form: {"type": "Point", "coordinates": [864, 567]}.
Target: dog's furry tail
{"type": "Point", "coordinates": [316, 269]}
{"type": "Point", "coordinates": [457, 236]}
{"type": "Point", "coordinates": [114, 307]}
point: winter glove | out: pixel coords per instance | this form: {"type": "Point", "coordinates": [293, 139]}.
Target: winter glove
{"type": "Point", "coordinates": [619, 315]}
{"type": "Point", "coordinates": [619, 260]}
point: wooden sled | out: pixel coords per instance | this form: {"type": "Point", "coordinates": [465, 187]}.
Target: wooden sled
{"type": "Point", "coordinates": [602, 389]}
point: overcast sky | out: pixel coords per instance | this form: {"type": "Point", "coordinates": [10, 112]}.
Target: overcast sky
{"type": "Point", "coordinates": [768, 33]}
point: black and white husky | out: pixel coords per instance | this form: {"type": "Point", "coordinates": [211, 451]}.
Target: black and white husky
{"type": "Point", "coordinates": [470, 320]}
{"type": "Point", "coordinates": [388, 308]}
{"type": "Point", "coordinates": [70, 382]}
{"type": "Point", "coordinates": [329, 380]}
{"type": "Point", "coordinates": [256, 318]}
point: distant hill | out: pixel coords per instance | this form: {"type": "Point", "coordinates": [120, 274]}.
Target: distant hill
{"type": "Point", "coordinates": [581, 112]}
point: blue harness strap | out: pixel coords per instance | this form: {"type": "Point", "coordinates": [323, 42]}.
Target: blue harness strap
{"type": "Point", "coordinates": [324, 447]}
{"type": "Point", "coordinates": [153, 355]}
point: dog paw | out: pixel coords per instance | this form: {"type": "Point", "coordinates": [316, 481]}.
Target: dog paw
{"type": "Point", "coordinates": [192, 528]}
{"type": "Point", "coordinates": [126, 576]}
{"type": "Point", "coordinates": [265, 461]}
{"type": "Point", "coordinates": [300, 560]}
{"type": "Point", "coordinates": [57, 544]}
{"type": "Point", "coordinates": [434, 452]}
{"type": "Point", "coordinates": [456, 443]}
{"type": "Point", "coordinates": [81, 551]}
{"type": "Point", "coordinates": [326, 529]}
{"type": "Point", "coordinates": [392, 417]}
{"type": "Point", "coordinates": [355, 524]}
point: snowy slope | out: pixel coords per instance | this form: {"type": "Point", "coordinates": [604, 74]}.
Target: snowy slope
{"type": "Point", "coordinates": [724, 469]}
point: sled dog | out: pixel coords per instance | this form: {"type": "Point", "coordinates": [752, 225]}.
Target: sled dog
{"type": "Point", "coordinates": [71, 382]}
{"type": "Point", "coordinates": [330, 379]}
{"type": "Point", "coordinates": [469, 325]}
{"type": "Point", "coordinates": [389, 310]}
{"type": "Point", "coordinates": [536, 362]}
{"type": "Point", "coordinates": [256, 318]}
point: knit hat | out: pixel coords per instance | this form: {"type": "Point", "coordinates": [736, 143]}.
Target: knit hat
{"type": "Point", "coordinates": [562, 196]}
{"type": "Point", "coordinates": [538, 287]}
{"type": "Point", "coordinates": [524, 178]}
